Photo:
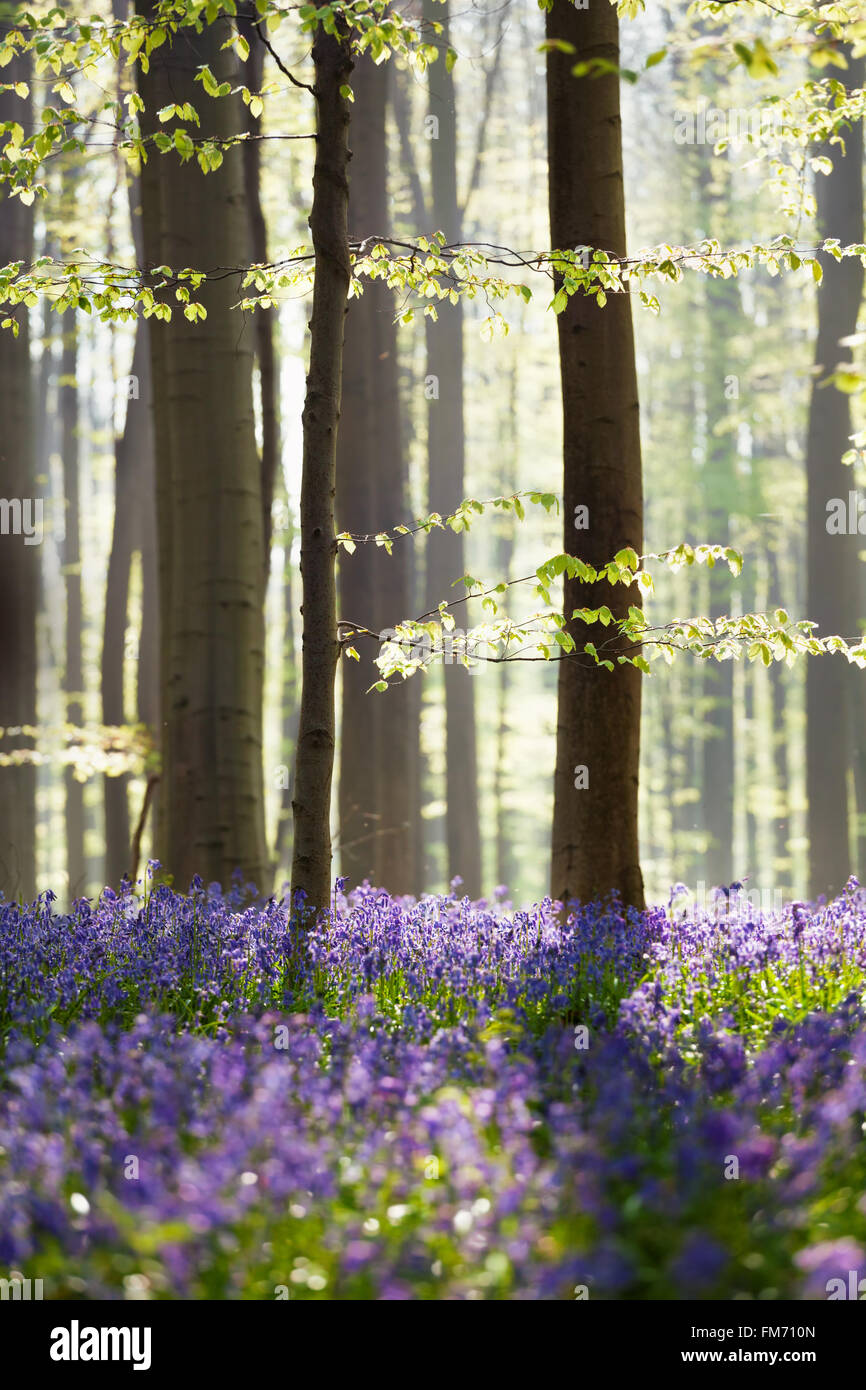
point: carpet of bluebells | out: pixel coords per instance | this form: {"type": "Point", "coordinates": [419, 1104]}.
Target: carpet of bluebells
{"type": "Point", "coordinates": [431, 1099]}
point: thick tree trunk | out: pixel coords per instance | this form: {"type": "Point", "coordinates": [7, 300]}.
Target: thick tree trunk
{"type": "Point", "coordinates": [831, 559]}
{"type": "Point", "coordinates": [209, 496]}
{"type": "Point", "coordinates": [314, 766]}
{"type": "Point", "coordinates": [19, 564]}
{"type": "Point", "coordinates": [595, 839]}
{"type": "Point", "coordinates": [377, 766]}
{"type": "Point", "coordinates": [446, 454]}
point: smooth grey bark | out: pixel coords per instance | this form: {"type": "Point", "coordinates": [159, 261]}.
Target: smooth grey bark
{"type": "Point", "coordinates": [264, 318]}
{"type": "Point", "coordinates": [718, 483]}
{"type": "Point", "coordinates": [378, 767]}
{"type": "Point", "coordinates": [73, 676]}
{"type": "Point", "coordinates": [595, 839]}
{"type": "Point", "coordinates": [505, 540]}
{"type": "Point", "coordinates": [208, 489]}
{"type": "Point", "coordinates": [831, 559]}
{"type": "Point", "coordinates": [134, 521]}
{"type": "Point", "coordinates": [446, 453]}
{"type": "Point", "coordinates": [289, 706]}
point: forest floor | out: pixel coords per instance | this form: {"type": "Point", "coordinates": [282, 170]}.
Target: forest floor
{"type": "Point", "coordinates": [433, 1100]}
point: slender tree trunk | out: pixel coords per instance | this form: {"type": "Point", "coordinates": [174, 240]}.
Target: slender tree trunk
{"type": "Point", "coordinates": [143, 447]}
{"type": "Point", "coordinates": [148, 683]}
{"type": "Point", "coordinates": [831, 559]}
{"type": "Point", "coordinates": [504, 850]}
{"type": "Point", "coordinates": [446, 452]}
{"type": "Point", "coordinates": [73, 681]}
{"type": "Point", "coordinates": [314, 766]}
{"type": "Point", "coordinates": [858, 755]}
{"type": "Point", "coordinates": [289, 698]}
{"type": "Point", "coordinates": [115, 789]}
{"type": "Point", "coordinates": [749, 597]}
{"type": "Point", "coordinates": [780, 694]}
{"type": "Point", "coordinates": [133, 524]}
{"type": "Point", "coordinates": [504, 558]}
{"type": "Point", "coordinates": [134, 529]}
{"type": "Point", "coordinates": [359, 797]}
{"type": "Point", "coordinates": [595, 839]}
{"type": "Point", "coordinates": [208, 486]}
{"type": "Point", "coordinates": [397, 709]}
{"type": "Point", "coordinates": [408, 384]}
{"type": "Point", "coordinates": [19, 564]}
{"type": "Point", "coordinates": [264, 318]}
{"type": "Point", "coordinates": [718, 483]}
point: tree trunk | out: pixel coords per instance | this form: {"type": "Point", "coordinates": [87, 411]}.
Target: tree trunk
{"type": "Point", "coordinates": [595, 838]}
{"type": "Point", "coordinates": [446, 450]}
{"type": "Point", "coordinates": [73, 681]}
{"type": "Point", "coordinates": [718, 482]}
{"type": "Point", "coordinates": [289, 705]}
{"type": "Point", "coordinates": [408, 385]}
{"type": "Point", "coordinates": [377, 766]}
{"type": "Point", "coordinates": [831, 559]}
{"type": "Point", "coordinates": [208, 485]}
{"type": "Point", "coordinates": [115, 789]}
{"type": "Point", "coordinates": [780, 696]}
{"type": "Point", "coordinates": [314, 766]}
{"type": "Point", "coordinates": [143, 447]}
{"type": "Point", "coordinates": [133, 524]}
{"type": "Point", "coordinates": [264, 318]}
{"type": "Point", "coordinates": [19, 565]}
{"type": "Point", "coordinates": [504, 552]}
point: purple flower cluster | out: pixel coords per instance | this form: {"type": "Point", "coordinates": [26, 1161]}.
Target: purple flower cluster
{"type": "Point", "coordinates": [437, 1100]}
{"type": "Point", "coordinates": [204, 956]}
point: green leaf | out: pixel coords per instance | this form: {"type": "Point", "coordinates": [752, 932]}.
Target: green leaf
{"type": "Point", "coordinates": [183, 144]}
{"type": "Point", "coordinates": [208, 81]}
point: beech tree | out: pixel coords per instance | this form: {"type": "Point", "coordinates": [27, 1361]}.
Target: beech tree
{"type": "Point", "coordinates": [73, 676]}
{"type": "Point", "coordinates": [212, 512]}
{"type": "Point", "coordinates": [595, 836]}
{"type": "Point", "coordinates": [19, 570]}
{"type": "Point", "coordinates": [446, 463]}
{"type": "Point", "coordinates": [208, 481]}
{"type": "Point", "coordinates": [378, 766]}
{"type": "Point", "coordinates": [133, 528]}
{"type": "Point", "coordinates": [722, 309]}
{"type": "Point", "coordinates": [311, 861]}
{"type": "Point", "coordinates": [832, 558]}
